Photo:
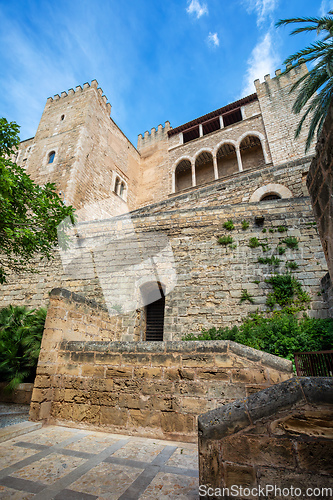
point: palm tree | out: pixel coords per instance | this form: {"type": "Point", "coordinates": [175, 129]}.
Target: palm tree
{"type": "Point", "coordinates": [315, 88]}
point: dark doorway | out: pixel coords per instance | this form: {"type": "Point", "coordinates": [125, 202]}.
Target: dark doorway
{"type": "Point", "coordinates": [154, 297]}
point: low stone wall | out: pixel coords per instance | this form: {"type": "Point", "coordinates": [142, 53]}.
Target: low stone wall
{"type": "Point", "coordinates": [327, 292]}
{"type": "Point", "coordinates": [21, 395]}
{"type": "Point", "coordinates": [281, 436]}
{"type": "Point", "coordinates": [149, 388]}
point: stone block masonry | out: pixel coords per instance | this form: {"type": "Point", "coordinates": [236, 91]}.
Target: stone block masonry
{"type": "Point", "coordinates": [280, 437]}
{"type": "Point", "coordinates": [85, 376]}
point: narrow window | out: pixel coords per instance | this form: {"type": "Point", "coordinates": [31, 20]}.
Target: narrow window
{"type": "Point", "coordinates": [62, 117]}
{"type": "Point", "coordinates": [116, 186]}
{"type": "Point", "coordinates": [51, 157]}
{"type": "Point", "coordinates": [122, 189]}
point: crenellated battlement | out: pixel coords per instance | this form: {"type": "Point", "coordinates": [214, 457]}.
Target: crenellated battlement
{"type": "Point", "coordinates": [80, 89]}
{"type": "Point", "coordinates": [154, 135]}
{"type": "Point", "coordinates": [280, 80]}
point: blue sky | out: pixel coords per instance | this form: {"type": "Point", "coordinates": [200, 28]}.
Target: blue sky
{"type": "Point", "coordinates": [155, 60]}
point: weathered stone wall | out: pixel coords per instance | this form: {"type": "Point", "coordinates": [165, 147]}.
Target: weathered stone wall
{"type": "Point", "coordinates": [281, 436]}
{"type": "Point", "coordinates": [279, 121]}
{"type": "Point", "coordinates": [209, 277]}
{"type": "Point", "coordinates": [148, 388]}
{"type": "Point", "coordinates": [320, 185]}
{"type": "Point", "coordinates": [21, 395]}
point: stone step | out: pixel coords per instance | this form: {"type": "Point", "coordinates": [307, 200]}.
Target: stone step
{"type": "Point", "coordinates": [15, 430]}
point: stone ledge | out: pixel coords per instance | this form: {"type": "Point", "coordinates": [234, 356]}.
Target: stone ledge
{"type": "Point", "coordinates": [75, 297]}
{"type": "Point", "coordinates": [18, 430]}
{"type": "Point", "coordinates": [238, 415]}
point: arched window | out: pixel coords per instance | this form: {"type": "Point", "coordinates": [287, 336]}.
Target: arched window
{"type": "Point", "coordinates": [227, 163]}
{"type": "Point", "coordinates": [117, 185]}
{"type": "Point", "coordinates": [51, 157]}
{"type": "Point", "coordinates": [204, 168]}
{"type": "Point", "coordinates": [183, 175]}
{"type": "Point", "coordinates": [154, 297]}
{"type": "Point", "coordinates": [251, 152]}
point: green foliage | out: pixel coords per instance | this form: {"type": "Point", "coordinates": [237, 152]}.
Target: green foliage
{"type": "Point", "coordinates": [292, 265]}
{"type": "Point", "coordinates": [20, 338]}
{"type": "Point", "coordinates": [246, 296]}
{"type": "Point", "coordinates": [286, 291]}
{"type": "Point", "coordinates": [282, 229]}
{"type": "Point", "coordinates": [254, 242]}
{"type": "Point", "coordinates": [315, 88]}
{"type": "Point", "coordinates": [256, 282]}
{"type": "Point", "coordinates": [264, 230]}
{"type": "Point", "coordinates": [281, 250]}
{"type": "Point", "coordinates": [281, 334]}
{"type": "Point", "coordinates": [272, 261]}
{"type": "Point", "coordinates": [291, 242]}
{"type": "Point", "coordinates": [225, 240]}
{"type": "Point", "coordinates": [229, 225]}
{"type": "Point", "coordinates": [245, 224]}
{"type": "Point", "coordinates": [29, 214]}
{"type": "Point", "coordinates": [271, 230]}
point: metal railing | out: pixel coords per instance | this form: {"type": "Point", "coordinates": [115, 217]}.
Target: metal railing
{"type": "Point", "coordinates": [314, 364]}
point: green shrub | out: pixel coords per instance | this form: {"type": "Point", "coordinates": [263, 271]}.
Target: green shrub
{"type": "Point", "coordinates": [254, 242]}
{"type": "Point", "coordinates": [291, 242]}
{"type": "Point", "coordinates": [271, 230]}
{"type": "Point", "coordinates": [272, 261]}
{"type": "Point", "coordinates": [264, 230]}
{"type": "Point", "coordinates": [229, 225]}
{"type": "Point", "coordinates": [281, 334]}
{"type": "Point", "coordinates": [287, 290]}
{"type": "Point", "coordinates": [281, 250]}
{"type": "Point", "coordinates": [292, 265]}
{"type": "Point", "coordinates": [21, 333]}
{"type": "Point", "coordinates": [282, 229]}
{"type": "Point", "coordinates": [245, 225]}
{"type": "Point", "coordinates": [225, 240]}
{"type": "Point", "coordinates": [246, 296]}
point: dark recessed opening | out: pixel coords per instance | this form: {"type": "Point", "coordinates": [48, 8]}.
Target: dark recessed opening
{"type": "Point", "coordinates": [211, 126]}
{"type": "Point", "coordinates": [62, 117]}
{"type": "Point", "coordinates": [271, 197]}
{"type": "Point", "coordinates": [191, 134]}
{"type": "Point", "coordinates": [232, 117]}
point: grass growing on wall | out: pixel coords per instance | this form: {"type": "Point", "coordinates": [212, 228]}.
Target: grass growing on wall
{"type": "Point", "coordinates": [21, 334]}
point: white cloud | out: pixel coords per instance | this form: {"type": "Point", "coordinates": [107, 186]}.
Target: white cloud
{"type": "Point", "coordinates": [213, 40]}
{"type": "Point", "coordinates": [196, 8]}
{"type": "Point", "coordinates": [263, 60]}
{"type": "Point", "coordinates": [263, 8]}
{"type": "Point", "coordinates": [325, 6]}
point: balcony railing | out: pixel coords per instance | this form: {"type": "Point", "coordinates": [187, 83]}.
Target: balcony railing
{"type": "Point", "coordinates": [314, 364]}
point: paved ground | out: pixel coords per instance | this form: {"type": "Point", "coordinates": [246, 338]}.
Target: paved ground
{"type": "Point", "coordinates": [11, 414]}
{"type": "Point", "coordinates": [74, 464]}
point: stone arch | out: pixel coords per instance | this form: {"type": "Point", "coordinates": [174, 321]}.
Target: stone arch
{"type": "Point", "coordinates": [270, 189]}
{"type": "Point", "coordinates": [204, 167]}
{"type": "Point", "coordinates": [183, 174]}
{"type": "Point", "coordinates": [251, 151]}
{"type": "Point", "coordinates": [226, 158]}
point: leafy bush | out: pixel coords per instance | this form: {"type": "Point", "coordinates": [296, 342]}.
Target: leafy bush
{"type": "Point", "coordinates": [246, 296]}
{"type": "Point", "coordinates": [245, 224]}
{"type": "Point", "coordinates": [272, 261]}
{"type": "Point", "coordinates": [281, 250]}
{"type": "Point", "coordinates": [21, 333]}
{"type": "Point", "coordinates": [282, 229]}
{"type": "Point", "coordinates": [286, 291]}
{"type": "Point", "coordinates": [282, 334]}
{"type": "Point", "coordinates": [291, 242]}
{"type": "Point", "coordinates": [254, 242]}
{"type": "Point", "coordinates": [225, 240]}
{"type": "Point", "coordinates": [292, 265]}
{"type": "Point", "coordinates": [229, 225]}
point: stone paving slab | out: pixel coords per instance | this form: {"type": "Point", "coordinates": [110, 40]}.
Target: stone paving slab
{"type": "Point", "coordinates": [62, 463]}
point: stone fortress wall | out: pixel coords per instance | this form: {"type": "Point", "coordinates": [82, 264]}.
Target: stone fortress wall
{"type": "Point", "coordinates": [232, 158]}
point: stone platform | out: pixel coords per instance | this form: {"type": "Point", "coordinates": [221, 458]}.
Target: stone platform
{"type": "Point", "coordinates": [76, 464]}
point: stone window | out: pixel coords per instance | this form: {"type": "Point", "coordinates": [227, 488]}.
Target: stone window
{"type": "Point", "coordinates": [51, 157]}
{"type": "Point", "coordinates": [271, 196]}
{"type": "Point", "coordinates": [183, 175]}
{"type": "Point", "coordinates": [62, 117]}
